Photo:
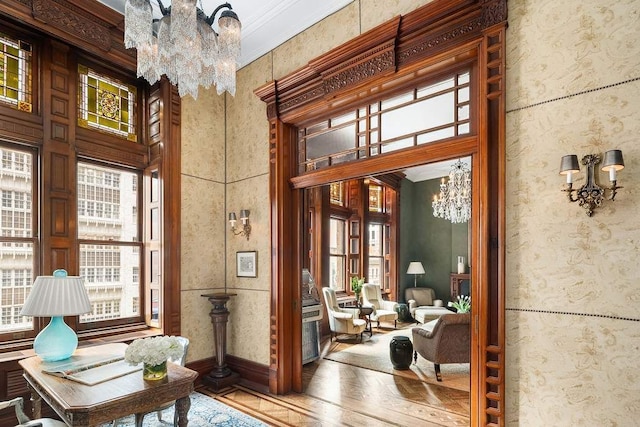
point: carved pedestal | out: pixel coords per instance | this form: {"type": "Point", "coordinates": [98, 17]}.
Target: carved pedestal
{"type": "Point", "coordinates": [221, 376]}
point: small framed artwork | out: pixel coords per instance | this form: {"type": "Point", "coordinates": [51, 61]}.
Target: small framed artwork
{"type": "Point", "coordinates": [247, 264]}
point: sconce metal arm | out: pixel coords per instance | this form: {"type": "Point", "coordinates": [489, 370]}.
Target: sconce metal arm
{"type": "Point", "coordinates": [244, 231]}
{"type": "Point", "coordinates": [590, 195]}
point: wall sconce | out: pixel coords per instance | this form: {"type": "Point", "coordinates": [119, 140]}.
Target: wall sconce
{"type": "Point", "coordinates": [590, 195]}
{"type": "Point", "coordinates": [244, 218]}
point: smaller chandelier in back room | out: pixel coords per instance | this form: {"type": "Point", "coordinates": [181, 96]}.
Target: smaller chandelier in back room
{"type": "Point", "coordinates": [183, 46]}
{"type": "Point", "coordinates": [454, 201]}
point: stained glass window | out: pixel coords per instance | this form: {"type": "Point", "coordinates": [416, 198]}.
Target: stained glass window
{"type": "Point", "coordinates": [15, 73]}
{"type": "Point", "coordinates": [376, 198]}
{"type": "Point", "coordinates": [337, 193]}
{"type": "Point", "coordinates": [106, 104]}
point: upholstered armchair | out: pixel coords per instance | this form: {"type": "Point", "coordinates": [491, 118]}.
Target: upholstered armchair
{"type": "Point", "coordinates": [23, 419]}
{"type": "Point", "coordinates": [422, 304]}
{"type": "Point", "coordinates": [342, 320]}
{"type": "Point", "coordinates": [448, 342]}
{"type": "Point", "coordinates": [382, 310]}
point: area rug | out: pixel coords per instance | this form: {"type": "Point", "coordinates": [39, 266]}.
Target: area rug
{"type": "Point", "coordinates": [373, 354]}
{"type": "Point", "coordinates": [204, 412]}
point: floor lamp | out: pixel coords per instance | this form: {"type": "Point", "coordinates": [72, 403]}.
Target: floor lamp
{"type": "Point", "coordinates": [415, 268]}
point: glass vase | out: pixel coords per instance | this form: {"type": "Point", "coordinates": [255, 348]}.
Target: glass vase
{"type": "Point", "coordinates": [154, 372]}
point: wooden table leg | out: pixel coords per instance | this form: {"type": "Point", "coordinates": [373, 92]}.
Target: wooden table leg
{"type": "Point", "coordinates": [36, 403]}
{"type": "Point", "coordinates": [182, 409]}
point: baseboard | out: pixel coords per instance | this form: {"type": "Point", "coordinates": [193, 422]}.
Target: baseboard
{"type": "Point", "coordinates": [253, 375]}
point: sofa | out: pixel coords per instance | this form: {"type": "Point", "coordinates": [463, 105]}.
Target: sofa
{"type": "Point", "coordinates": [448, 342]}
{"type": "Point", "coordinates": [423, 304]}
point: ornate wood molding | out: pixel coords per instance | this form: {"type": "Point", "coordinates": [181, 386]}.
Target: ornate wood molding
{"type": "Point", "coordinates": [88, 25]}
{"type": "Point", "coordinates": [493, 12]}
{"type": "Point", "coordinates": [360, 72]}
{"type": "Point", "coordinates": [397, 44]}
{"type": "Point", "coordinates": [439, 41]}
{"type": "Point", "coordinates": [66, 18]}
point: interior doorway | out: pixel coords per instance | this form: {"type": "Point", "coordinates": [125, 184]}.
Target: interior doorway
{"type": "Point", "coordinates": [334, 83]}
{"type": "Point", "coordinates": [438, 250]}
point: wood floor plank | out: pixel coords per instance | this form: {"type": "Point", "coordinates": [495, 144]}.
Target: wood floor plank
{"type": "Point", "coordinates": [337, 394]}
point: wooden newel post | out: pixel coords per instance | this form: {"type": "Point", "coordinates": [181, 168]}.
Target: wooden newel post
{"type": "Point", "coordinates": [221, 376]}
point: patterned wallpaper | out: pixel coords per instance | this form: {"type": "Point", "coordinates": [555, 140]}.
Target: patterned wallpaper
{"type": "Point", "coordinates": [573, 329]}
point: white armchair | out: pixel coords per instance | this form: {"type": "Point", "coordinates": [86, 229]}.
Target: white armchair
{"type": "Point", "coordinates": [18, 404]}
{"type": "Point", "coordinates": [382, 310]}
{"type": "Point", "coordinates": [342, 320]}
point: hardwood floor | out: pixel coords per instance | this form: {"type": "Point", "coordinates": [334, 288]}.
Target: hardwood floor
{"type": "Point", "coordinates": [337, 394]}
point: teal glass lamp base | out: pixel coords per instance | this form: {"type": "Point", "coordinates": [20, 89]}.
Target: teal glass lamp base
{"type": "Point", "coordinates": [56, 342]}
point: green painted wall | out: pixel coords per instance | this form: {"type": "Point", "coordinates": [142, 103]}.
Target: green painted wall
{"type": "Point", "coordinates": [435, 242]}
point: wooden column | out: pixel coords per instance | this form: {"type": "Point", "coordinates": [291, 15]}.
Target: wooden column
{"type": "Point", "coordinates": [220, 376]}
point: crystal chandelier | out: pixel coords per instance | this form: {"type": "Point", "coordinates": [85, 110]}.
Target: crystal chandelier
{"type": "Point", "coordinates": [183, 46]}
{"type": "Point", "coordinates": [454, 201]}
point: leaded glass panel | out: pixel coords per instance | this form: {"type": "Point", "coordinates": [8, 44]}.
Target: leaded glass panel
{"type": "Point", "coordinates": [423, 115]}
{"type": "Point", "coordinates": [106, 104]}
{"type": "Point", "coordinates": [15, 73]}
{"type": "Point", "coordinates": [337, 193]}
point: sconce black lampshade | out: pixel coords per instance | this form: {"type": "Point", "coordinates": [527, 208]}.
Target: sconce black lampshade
{"type": "Point", "coordinates": [568, 164]}
{"type": "Point", "coordinates": [613, 160]}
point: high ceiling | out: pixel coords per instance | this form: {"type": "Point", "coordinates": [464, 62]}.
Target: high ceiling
{"type": "Point", "coordinates": [265, 23]}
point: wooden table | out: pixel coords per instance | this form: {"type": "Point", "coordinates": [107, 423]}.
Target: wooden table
{"type": "Point", "coordinates": [82, 405]}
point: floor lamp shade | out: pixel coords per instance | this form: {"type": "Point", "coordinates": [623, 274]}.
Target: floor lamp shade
{"type": "Point", "coordinates": [415, 268]}
{"type": "Point", "coordinates": [56, 296]}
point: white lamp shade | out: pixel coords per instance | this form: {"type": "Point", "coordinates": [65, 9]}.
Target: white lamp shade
{"type": "Point", "coordinates": [57, 296]}
{"type": "Point", "coordinates": [415, 267]}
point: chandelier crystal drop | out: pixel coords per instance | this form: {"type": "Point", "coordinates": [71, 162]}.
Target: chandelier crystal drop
{"type": "Point", "coordinates": [454, 201]}
{"type": "Point", "coordinates": [183, 46]}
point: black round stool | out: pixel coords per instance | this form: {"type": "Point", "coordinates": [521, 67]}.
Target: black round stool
{"type": "Point", "coordinates": [400, 352]}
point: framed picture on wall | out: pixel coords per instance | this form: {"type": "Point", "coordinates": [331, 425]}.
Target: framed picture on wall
{"type": "Point", "coordinates": [247, 264]}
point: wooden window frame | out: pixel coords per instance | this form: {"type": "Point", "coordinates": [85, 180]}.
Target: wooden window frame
{"type": "Point", "coordinates": [36, 326]}
{"type": "Point", "coordinates": [92, 326]}
{"type": "Point", "coordinates": [51, 129]}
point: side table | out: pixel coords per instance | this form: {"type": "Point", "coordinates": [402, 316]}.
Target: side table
{"type": "Point", "coordinates": [365, 313]}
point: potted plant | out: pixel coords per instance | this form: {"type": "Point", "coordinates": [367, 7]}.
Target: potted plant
{"type": "Point", "coordinates": [153, 353]}
{"type": "Point", "coordinates": [462, 304]}
{"type": "Point", "coordinates": [356, 286]}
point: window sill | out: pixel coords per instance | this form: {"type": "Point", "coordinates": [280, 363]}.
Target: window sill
{"type": "Point", "coordinates": [23, 349]}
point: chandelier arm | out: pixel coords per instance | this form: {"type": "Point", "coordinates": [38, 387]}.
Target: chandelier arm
{"type": "Point", "coordinates": [164, 10]}
{"type": "Point", "coordinates": [212, 17]}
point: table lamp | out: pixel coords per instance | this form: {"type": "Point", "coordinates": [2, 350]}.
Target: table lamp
{"type": "Point", "coordinates": [56, 296]}
{"type": "Point", "coordinates": [415, 268]}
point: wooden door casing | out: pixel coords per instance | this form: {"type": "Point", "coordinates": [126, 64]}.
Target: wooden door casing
{"type": "Point", "coordinates": [439, 37]}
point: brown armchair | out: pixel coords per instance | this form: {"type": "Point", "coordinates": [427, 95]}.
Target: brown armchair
{"type": "Point", "coordinates": [448, 342]}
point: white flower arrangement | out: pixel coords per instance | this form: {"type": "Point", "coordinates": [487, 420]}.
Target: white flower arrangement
{"type": "Point", "coordinates": [462, 304]}
{"type": "Point", "coordinates": [153, 351]}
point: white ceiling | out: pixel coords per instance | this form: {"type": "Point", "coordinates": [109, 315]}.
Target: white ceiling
{"type": "Point", "coordinates": [266, 24]}
{"type": "Point", "coordinates": [433, 170]}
